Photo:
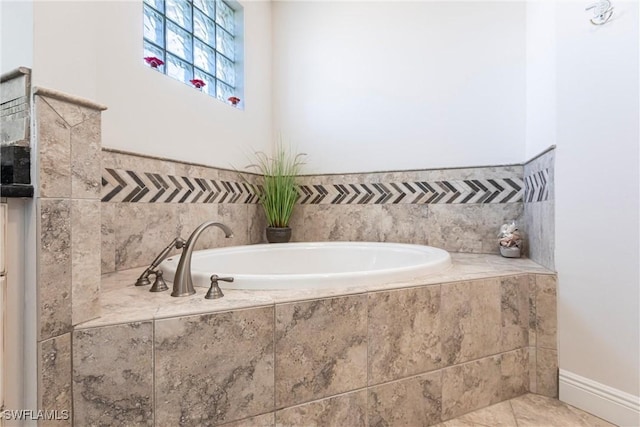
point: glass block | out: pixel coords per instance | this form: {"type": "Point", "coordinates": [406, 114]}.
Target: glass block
{"type": "Point", "coordinates": [225, 16]}
{"type": "Point", "coordinates": [225, 70]}
{"type": "Point", "coordinates": [224, 91]}
{"type": "Point", "coordinates": [203, 27]}
{"type": "Point", "coordinates": [179, 42]}
{"type": "Point", "coordinates": [151, 50]}
{"type": "Point", "coordinates": [225, 44]}
{"type": "Point", "coordinates": [153, 26]}
{"type": "Point", "coordinates": [207, 6]}
{"type": "Point", "coordinates": [156, 4]}
{"type": "Point", "coordinates": [178, 69]}
{"type": "Point", "coordinates": [179, 11]}
{"type": "Point", "coordinates": [204, 57]}
{"type": "Point", "coordinates": [210, 87]}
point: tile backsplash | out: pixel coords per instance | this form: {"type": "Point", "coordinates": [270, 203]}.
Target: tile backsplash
{"type": "Point", "coordinates": [539, 208]}
{"type": "Point", "coordinates": [459, 210]}
{"type": "Point", "coordinates": [147, 202]}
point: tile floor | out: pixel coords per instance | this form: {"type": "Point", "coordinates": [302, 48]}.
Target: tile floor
{"type": "Point", "coordinates": [529, 410]}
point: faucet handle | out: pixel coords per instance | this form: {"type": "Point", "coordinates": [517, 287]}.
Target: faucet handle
{"type": "Point", "coordinates": [159, 285]}
{"type": "Point", "coordinates": [214, 291]}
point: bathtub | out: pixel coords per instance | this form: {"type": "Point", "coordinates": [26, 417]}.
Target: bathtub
{"type": "Point", "coordinates": [312, 265]}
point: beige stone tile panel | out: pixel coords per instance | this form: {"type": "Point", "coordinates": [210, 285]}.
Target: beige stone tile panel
{"type": "Point", "coordinates": [412, 402]}
{"type": "Point", "coordinates": [533, 371]}
{"type": "Point", "coordinates": [265, 420]}
{"type": "Point", "coordinates": [514, 295]}
{"type": "Point", "coordinates": [149, 228]}
{"type": "Point", "coordinates": [214, 369]}
{"type": "Point", "coordinates": [547, 372]}
{"type": "Point", "coordinates": [86, 159]}
{"type": "Point", "coordinates": [258, 224]}
{"type": "Point", "coordinates": [54, 151]}
{"type": "Point", "coordinates": [469, 228]}
{"type": "Point", "coordinates": [108, 237]}
{"type": "Point", "coordinates": [514, 371]}
{"type": "Point", "coordinates": [113, 375]}
{"type": "Point", "coordinates": [138, 163]}
{"type": "Point", "coordinates": [72, 113]}
{"type": "Point", "coordinates": [235, 216]}
{"type": "Point", "coordinates": [54, 382]}
{"type": "Point", "coordinates": [54, 274]}
{"type": "Point", "coordinates": [471, 320]}
{"type": "Point", "coordinates": [470, 386]}
{"type": "Point", "coordinates": [344, 410]}
{"type": "Point", "coordinates": [532, 310]}
{"type": "Point", "coordinates": [85, 260]}
{"type": "Point", "coordinates": [546, 312]}
{"type": "Point", "coordinates": [404, 333]}
{"type": "Point", "coordinates": [321, 348]}
{"type": "Point", "coordinates": [345, 223]}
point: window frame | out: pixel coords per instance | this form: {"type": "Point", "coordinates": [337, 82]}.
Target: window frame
{"type": "Point", "coordinates": [219, 92]}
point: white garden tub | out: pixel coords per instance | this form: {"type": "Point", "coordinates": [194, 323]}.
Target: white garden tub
{"type": "Point", "coordinates": [312, 265]}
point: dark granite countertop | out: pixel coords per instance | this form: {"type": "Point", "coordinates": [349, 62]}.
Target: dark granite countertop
{"type": "Point", "coordinates": [15, 171]}
{"type": "Point", "coordinates": [16, 190]}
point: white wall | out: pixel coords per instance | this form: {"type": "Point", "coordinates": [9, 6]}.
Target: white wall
{"type": "Point", "coordinates": [597, 190]}
{"type": "Point", "coordinates": [94, 50]}
{"type": "Point", "coordinates": [364, 86]}
{"type": "Point", "coordinates": [541, 77]}
{"type": "Point", "coordinates": [16, 34]}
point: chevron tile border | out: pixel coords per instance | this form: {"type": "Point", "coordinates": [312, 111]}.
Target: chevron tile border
{"type": "Point", "coordinates": [127, 186]}
{"type": "Point", "coordinates": [144, 187]}
{"type": "Point", "coordinates": [536, 186]}
{"type": "Point", "coordinates": [499, 190]}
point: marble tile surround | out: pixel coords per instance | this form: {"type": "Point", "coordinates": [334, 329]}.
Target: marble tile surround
{"type": "Point", "coordinates": [54, 377]}
{"type": "Point", "coordinates": [338, 328]}
{"type": "Point", "coordinates": [468, 227]}
{"type": "Point", "coordinates": [69, 155]}
{"type": "Point", "coordinates": [118, 395]}
{"type": "Point", "coordinates": [538, 216]}
{"type": "Point", "coordinates": [460, 227]}
{"type": "Point", "coordinates": [151, 226]}
{"type": "Point", "coordinates": [324, 361]}
{"type": "Point", "coordinates": [68, 211]}
{"type": "Point", "coordinates": [66, 143]}
{"type": "Point", "coordinates": [216, 368]}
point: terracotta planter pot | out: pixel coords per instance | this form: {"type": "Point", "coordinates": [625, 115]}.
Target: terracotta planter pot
{"type": "Point", "coordinates": [278, 234]}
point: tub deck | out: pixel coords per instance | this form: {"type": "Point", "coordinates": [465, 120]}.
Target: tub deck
{"type": "Point", "coordinates": [122, 302]}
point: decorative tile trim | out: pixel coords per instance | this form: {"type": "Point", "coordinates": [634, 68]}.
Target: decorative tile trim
{"type": "Point", "coordinates": [536, 186]}
{"type": "Point", "coordinates": [144, 187]}
{"type": "Point", "coordinates": [472, 191]}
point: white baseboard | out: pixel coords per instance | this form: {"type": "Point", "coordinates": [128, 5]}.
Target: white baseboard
{"type": "Point", "coordinates": [608, 403]}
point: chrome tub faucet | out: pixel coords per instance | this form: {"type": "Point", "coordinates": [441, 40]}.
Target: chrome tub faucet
{"type": "Point", "coordinates": [182, 282]}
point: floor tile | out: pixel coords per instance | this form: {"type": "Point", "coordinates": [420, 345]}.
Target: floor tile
{"type": "Point", "coordinates": [532, 410]}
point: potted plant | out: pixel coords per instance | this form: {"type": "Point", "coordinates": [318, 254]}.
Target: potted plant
{"type": "Point", "coordinates": [278, 190]}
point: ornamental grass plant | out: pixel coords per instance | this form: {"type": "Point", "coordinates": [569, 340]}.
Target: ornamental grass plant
{"type": "Point", "coordinates": [278, 190]}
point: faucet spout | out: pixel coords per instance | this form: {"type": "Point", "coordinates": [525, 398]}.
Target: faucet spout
{"type": "Point", "coordinates": [182, 283]}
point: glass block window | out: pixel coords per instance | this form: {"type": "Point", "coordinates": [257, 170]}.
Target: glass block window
{"type": "Point", "coordinates": [195, 39]}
